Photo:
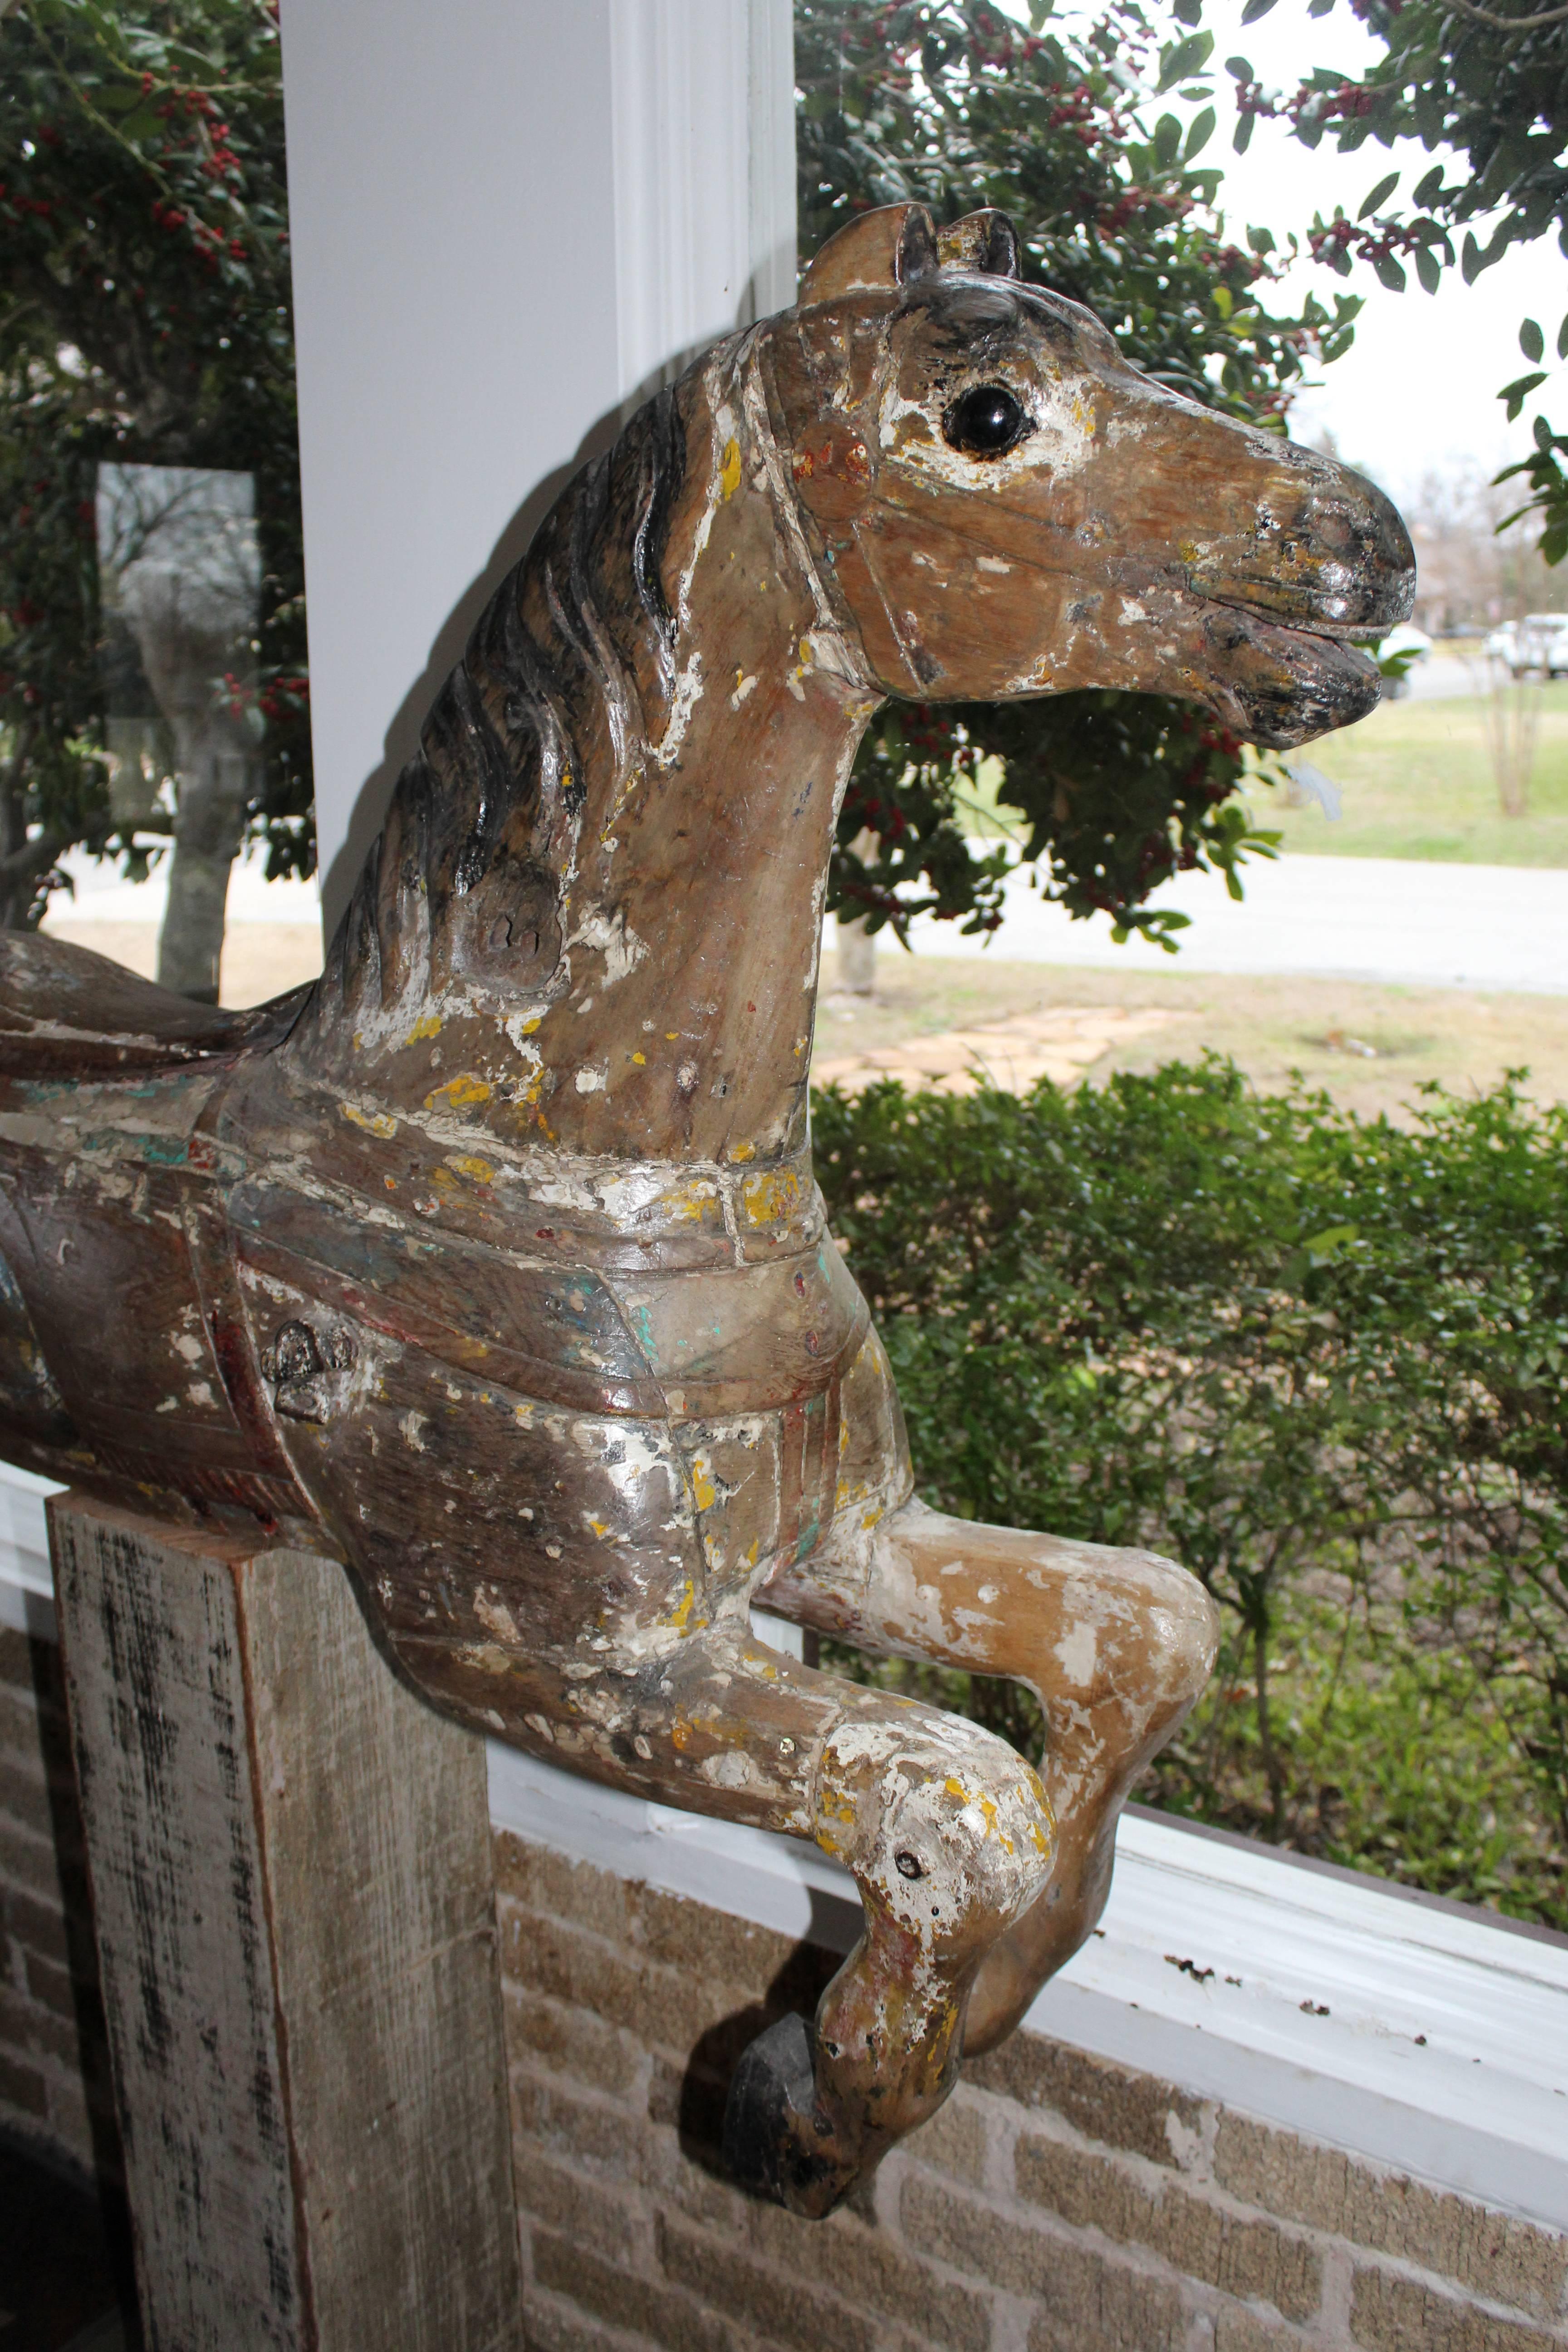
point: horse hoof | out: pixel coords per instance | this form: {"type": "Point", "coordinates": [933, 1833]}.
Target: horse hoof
{"type": "Point", "coordinates": [777, 2144]}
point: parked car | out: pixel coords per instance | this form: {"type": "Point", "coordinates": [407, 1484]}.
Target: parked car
{"type": "Point", "coordinates": [1539, 642]}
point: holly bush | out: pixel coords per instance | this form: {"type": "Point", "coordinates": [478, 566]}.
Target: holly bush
{"type": "Point", "coordinates": [1319, 1359]}
{"type": "Point", "coordinates": [145, 317]}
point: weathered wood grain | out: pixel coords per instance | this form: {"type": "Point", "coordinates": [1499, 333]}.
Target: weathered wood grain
{"type": "Point", "coordinates": [291, 1885]}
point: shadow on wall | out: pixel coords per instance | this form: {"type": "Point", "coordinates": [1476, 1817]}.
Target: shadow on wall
{"type": "Point", "coordinates": [695, 2103]}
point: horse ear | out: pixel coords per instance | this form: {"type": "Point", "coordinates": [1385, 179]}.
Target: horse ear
{"type": "Point", "coordinates": [986, 241]}
{"type": "Point", "coordinates": [883, 249]}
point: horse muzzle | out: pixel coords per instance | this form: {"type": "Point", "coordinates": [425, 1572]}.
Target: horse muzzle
{"type": "Point", "coordinates": [1327, 562]}
{"type": "Point", "coordinates": [1324, 550]}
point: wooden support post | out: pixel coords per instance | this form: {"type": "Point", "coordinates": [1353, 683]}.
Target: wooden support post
{"type": "Point", "coordinates": [291, 1867]}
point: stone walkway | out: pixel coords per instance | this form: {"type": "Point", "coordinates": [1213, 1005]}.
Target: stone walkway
{"type": "Point", "coordinates": [1015, 1055]}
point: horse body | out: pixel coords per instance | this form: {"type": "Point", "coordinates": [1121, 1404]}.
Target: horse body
{"type": "Point", "coordinates": [495, 1261]}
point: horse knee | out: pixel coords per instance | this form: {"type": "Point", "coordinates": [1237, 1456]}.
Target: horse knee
{"type": "Point", "coordinates": [1183, 1629]}
{"type": "Point", "coordinates": [947, 1829]}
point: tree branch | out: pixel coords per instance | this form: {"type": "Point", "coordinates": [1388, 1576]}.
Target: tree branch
{"type": "Point", "coordinates": [1506, 24]}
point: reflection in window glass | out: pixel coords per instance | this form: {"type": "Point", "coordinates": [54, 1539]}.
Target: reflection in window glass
{"type": "Point", "coordinates": [180, 578]}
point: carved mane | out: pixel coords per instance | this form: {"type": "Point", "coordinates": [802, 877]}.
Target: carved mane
{"type": "Point", "coordinates": [484, 818]}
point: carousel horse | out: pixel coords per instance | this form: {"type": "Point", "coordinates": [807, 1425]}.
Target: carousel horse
{"type": "Point", "coordinates": [492, 1264]}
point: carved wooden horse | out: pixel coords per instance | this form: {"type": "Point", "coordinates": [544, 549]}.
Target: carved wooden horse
{"type": "Point", "coordinates": [494, 1263]}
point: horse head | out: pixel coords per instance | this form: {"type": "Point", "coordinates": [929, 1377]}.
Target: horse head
{"type": "Point", "coordinates": [1008, 507]}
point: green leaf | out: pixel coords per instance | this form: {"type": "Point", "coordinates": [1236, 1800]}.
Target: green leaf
{"type": "Point", "coordinates": [1239, 67]}
{"type": "Point", "coordinates": [1380, 194]}
{"type": "Point", "coordinates": [1544, 436]}
{"type": "Point", "coordinates": [1254, 9]}
{"type": "Point", "coordinates": [1200, 134]}
{"type": "Point", "coordinates": [1563, 340]}
{"type": "Point", "coordinates": [1390, 274]}
{"type": "Point", "coordinates": [1182, 58]}
{"type": "Point", "coordinates": [1038, 11]}
{"type": "Point", "coordinates": [1261, 240]}
{"type": "Point", "coordinates": [1531, 342]}
{"type": "Point", "coordinates": [1519, 392]}
{"type": "Point", "coordinates": [1470, 259]}
{"type": "Point", "coordinates": [1189, 12]}
{"type": "Point", "coordinates": [1167, 140]}
{"type": "Point", "coordinates": [1427, 268]}
{"type": "Point", "coordinates": [1428, 189]}
{"type": "Point", "coordinates": [1241, 137]}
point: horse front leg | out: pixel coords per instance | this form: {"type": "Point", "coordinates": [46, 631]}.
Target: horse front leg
{"type": "Point", "coordinates": [946, 1831]}
{"type": "Point", "coordinates": [1116, 1644]}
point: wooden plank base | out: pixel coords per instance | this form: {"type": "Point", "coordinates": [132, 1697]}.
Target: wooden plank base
{"type": "Point", "coordinates": [291, 1876]}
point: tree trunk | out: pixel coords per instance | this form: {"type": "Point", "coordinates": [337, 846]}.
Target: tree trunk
{"type": "Point", "coordinates": [856, 956]}
{"type": "Point", "coordinates": [209, 823]}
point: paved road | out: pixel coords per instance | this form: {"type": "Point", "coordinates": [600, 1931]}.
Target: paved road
{"type": "Point", "coordinates": [1382, 918]}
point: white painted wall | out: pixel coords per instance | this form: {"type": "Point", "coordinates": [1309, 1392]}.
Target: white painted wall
{"type": "Point", "coordinates": [508, 217]}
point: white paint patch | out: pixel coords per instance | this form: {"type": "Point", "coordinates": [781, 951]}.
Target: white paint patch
{"type": "Point", "coordinates": [497, 1619]}
{"type": "Point", "coordinates": [591, 1080]}
{"type": "Point", "coordinates": [609, 934]}
{"type": "Point", "coordinates": [683, 702]}
{"type": "Point", "coordinates": [1077, 1654]}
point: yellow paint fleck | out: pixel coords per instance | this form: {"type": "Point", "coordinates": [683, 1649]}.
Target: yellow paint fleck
{"type": "Point", "coordinates": [730, 472]}
{"type": "Point", "coordinates": [536, 1022]}
{"type": "Point", "coordinates": [471, 1165]}
{"type": "Point", "coordinates": [680, 1616]}
{"type": "Point", "coordinates": [372, 1122]}
{"type": "Point", "coordinates": [458, 1092]}
{"type": "Point", "coordinates": [702, 1484]}
{"type": "Point", "coordinates": [670, 1036]}
{"type": "Point", "coordinates": [769, 1194]}
{"type": "Point", "coordinates": [641, 1061]}
{"type": "Point", "coordinates": [744, 1151]}
{"type": "Point", "coordinates": [428, 1025]}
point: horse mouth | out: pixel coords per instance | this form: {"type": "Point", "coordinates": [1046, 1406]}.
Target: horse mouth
{"type": "Point", "coordinates": [1280, 683]}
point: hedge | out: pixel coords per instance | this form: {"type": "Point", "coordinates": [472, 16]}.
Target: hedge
{"type": "Point", "coordinates": [1317, 1359]}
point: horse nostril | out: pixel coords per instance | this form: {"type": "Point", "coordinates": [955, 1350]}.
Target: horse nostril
{"type": "Point", "coordinates": [908, 1864]}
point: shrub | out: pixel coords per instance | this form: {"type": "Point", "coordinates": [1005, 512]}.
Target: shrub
{"type": "Point", "coordinates": [1320, 1361]}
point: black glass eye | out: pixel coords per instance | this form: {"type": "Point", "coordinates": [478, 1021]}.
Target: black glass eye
{"type": "Point", "coordinates": [986, 422]}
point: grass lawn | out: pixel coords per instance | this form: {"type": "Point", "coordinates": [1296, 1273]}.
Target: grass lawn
{"type": "Point", "coordinates": [1417, 783]}
{"type": "Point", "coordinates": [1270, 1027]}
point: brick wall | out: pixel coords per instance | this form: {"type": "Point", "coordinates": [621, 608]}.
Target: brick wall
{"type": "Point", "coordinates": [1057, 2204]}
{"type": "Point", "coordinates": [54, 2066]}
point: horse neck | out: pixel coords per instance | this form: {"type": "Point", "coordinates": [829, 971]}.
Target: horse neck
{"type": "Point", "coordinates": [593, 919]}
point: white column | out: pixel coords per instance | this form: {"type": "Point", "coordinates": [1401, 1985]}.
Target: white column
{"type": "Point", "coordinates": [508, 217]}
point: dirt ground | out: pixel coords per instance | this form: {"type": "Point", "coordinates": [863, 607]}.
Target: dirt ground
{"type": "Point", "coordinates": [1371, 1047]}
